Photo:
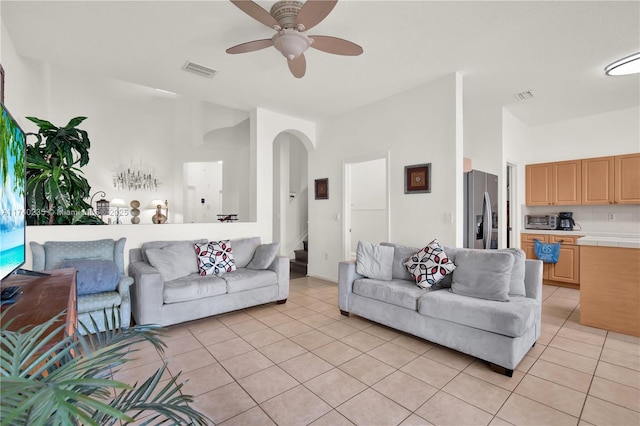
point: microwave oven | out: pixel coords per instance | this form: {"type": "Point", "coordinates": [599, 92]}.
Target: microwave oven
{"type": "Point", "coordinates": [541, 221]}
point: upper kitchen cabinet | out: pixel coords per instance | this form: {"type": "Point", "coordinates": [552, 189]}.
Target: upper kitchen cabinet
{"type": "Point", "coordinates": [627, 180]}
{"type": "Point", "coordinates": [556, 183]}
{"type": "Point", "coordinates": [538, 182]}
{"type": "Point", "coordinates": [598, 180]}
{"type": "Point", "coordinates": [609, 180]}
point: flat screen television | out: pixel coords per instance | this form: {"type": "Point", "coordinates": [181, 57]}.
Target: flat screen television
{"type": "Point", "coordinates": [12, 194]}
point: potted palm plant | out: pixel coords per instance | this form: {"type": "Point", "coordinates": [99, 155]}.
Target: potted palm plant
{"type": "Point", "coordinates": [71, 382]}
{"type": "Point", "coordinates": [56, 188]}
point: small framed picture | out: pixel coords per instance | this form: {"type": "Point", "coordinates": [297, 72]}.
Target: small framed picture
{"type": "Point", "coordinates": [417, 178]}
{"type": "Point", "coordinates": [322, 189]}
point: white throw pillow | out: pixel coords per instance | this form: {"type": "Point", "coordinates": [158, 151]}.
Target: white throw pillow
{"type": "Point", "coordinates": [215, 257]}
{"type": "Point", "coordinates": [374, 261]}
{"type": "Point", "coordinates": [429, 265]}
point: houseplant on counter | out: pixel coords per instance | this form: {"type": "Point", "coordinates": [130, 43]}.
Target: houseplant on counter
{"type": "Point", "coordinates": [56, 188]}
{"type": "Point", "coordinates": [70, 382]}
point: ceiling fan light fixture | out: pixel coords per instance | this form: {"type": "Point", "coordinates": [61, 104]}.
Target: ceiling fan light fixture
{"type": "Point", "coordinates": [291, 43]}
{"type": "Point", "coordinates": [624, 66]}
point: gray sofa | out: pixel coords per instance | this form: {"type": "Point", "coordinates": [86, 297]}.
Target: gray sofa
{"type": "Point", "coordinates": [500, 332]}
{"type": "Point", "coordinates": [172, 291]}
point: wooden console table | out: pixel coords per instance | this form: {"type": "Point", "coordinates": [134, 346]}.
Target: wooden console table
{"type": "Point", "coordinates": [43, 298]}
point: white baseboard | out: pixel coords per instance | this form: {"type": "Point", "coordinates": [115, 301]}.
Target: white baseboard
{"type": "Point", "coordinates": [322, 277]}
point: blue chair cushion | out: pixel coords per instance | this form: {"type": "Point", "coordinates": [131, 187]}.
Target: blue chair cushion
{"type": "Point", "coordinates": [94, 276]}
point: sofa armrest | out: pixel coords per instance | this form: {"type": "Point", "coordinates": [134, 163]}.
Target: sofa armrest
{"type": "Point", "coordinates": [146, 293]}
{"type": "Point", "coordinates": [124, 284]}
{"type": "Point", "coordinates": [533, 279]}
{"type": "Point", "coordinates": [281, 267]}
{"type": "Point", "coordinates": [346, 276]}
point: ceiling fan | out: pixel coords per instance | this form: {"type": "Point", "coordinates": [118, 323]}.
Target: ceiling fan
{"type": "Point", "coordinates": [291, 19]}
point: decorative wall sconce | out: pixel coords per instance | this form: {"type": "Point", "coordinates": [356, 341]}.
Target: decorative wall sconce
{"type": "Point", "coordinates": [135, 180]}
{"type": "Point", "coordinates": [156, 205]}
{"type": "Point", "coordinates": [118, 203]}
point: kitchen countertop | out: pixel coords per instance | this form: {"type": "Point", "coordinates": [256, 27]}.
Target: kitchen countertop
{"type": "Point", "coordinates": [601, 239]}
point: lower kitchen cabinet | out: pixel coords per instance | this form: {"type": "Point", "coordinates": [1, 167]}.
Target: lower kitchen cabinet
{"type": "Point", "coordinates": [566, 272]}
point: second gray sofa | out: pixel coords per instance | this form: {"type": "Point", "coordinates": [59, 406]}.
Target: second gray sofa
{"type": "Point", "coordinates": [501, 332]}
{"type": "Point", "coordinates": [174, 292]}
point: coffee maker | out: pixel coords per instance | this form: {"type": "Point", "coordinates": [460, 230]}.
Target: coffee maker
{"type": "Point", "coordinates": [566, 221]}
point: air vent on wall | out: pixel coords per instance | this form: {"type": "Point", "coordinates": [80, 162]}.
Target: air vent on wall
{"type": "Point", "coordinates": [524, 96]}
{"type": "Point", "coordinates": [198, 69]}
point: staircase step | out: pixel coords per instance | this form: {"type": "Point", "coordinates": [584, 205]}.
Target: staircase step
{"type": "Point", "coordinates": [302, 255]}
{"type": "Point", "coordinates": [305, 243]}
{"type": "Point", "coordinates": [299, 267]}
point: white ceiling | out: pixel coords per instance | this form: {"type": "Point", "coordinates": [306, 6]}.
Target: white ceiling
{"type": "Point", "coordinates": [555, 49]}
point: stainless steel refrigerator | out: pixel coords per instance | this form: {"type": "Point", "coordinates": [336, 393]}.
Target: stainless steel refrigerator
{"type": "Point", "coordinates": [480, 210]}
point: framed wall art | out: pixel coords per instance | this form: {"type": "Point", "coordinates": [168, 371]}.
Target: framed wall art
{"type": "Point", "coordinates": [417, 178]}
{"type": "Point", "coordinates": [322, 189]}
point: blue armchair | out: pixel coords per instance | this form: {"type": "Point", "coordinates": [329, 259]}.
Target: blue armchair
{"type": "Point", "coordinates": [59, 254]}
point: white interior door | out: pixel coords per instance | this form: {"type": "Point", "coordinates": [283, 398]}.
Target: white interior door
{"type": "Point", "coordinates": [366, 204]}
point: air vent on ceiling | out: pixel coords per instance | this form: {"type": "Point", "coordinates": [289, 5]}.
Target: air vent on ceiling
{"type": "Point", "coordinates": [198, 69]}
{"type": "Point", "coordinates": [524, 96]}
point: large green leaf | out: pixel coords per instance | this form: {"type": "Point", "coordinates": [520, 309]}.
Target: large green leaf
{"type": "Point", "coordinates": [71, 383]}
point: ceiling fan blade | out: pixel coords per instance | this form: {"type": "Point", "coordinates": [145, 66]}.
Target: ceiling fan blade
{"type": "Point", "coordinates": [336, 45]}
{"type": "Point", "coordinates": [298, 66]}
{"type": "Point", "coordinates": [256, 12]}
{"type": "Point", "coordinates": [313, 12]}
{"type": "Point", "coordinates": [251, 46]}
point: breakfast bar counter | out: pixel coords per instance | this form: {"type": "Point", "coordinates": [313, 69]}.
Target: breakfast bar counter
{"type": "Point", "coordinates": [610, 284]}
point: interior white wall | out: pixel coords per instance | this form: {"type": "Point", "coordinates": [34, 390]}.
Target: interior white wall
{"type": "Point", "coordinates": [416, 126]}
{"type": "Point", "coordinates": [290, 178]}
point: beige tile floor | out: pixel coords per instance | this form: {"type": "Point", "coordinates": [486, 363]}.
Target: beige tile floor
{"type": "Point", "coordinates": [303, 363]}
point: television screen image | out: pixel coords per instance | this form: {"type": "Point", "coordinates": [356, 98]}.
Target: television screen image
{"type": "Point", "coordinates": [12, 194]}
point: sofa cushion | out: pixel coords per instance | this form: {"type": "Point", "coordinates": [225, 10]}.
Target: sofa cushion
{"type": "Point", "coordinates": [516, 283]}
{"type": "Point", "coordinates": [430, 265]}
{"type": "Point", "coordinates": [510, 319]}
{"type": "Point", "coordinates": [374, 261]}
{"type": "Point", "coordinates": [161, 244]}
{"type": "Point", "coordinates": [98, 302]}
{"type": "Point", "coordinates": [57, 252]}
{"type": "Point", "coordinates": [243, 250]}
{"type": "Point", "coordinates": [246, 279]}
{"type": "Point", "coordinates": [215, 257]}
{"type": "Point", "coordinates": [397, 292]}
{"type": "Point", "coordinates": [94, 276]}
{"type": "Point", "coordinates": [174, 260]}
{"type": "Point", "coordinates": [264, 256]}
{"type": "Point", "coordinates": [485, 274]}
{"type": "Point", "coordinates": [400, 255]}
{"type": "Point", "coordinates": [193, 287]}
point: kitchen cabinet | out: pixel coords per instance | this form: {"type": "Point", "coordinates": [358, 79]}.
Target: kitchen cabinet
{"type": "Point", "coordinates": [538, 184]}
{"type": "Point", "coordinates": [610, 289]}
{"type": "Point", "coordinates": [566, 272]}
{"type": "Point", "coordinates": [627, 179]}
{"type": "Point", "coordinates": [611, 180]}
{"type": "Point", "coordinates": [598, 180]}
{"type": "Point", "coordinates": [558, 183]}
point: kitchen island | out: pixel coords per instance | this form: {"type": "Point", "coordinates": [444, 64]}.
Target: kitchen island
{"type": "Point", "coordinates": [610, 283]}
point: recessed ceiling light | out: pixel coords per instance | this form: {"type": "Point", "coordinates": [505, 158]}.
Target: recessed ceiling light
{"type": "Point", "coordinates": [624, 66]}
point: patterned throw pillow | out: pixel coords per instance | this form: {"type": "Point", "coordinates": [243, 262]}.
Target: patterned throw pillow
{"type": "Point", "coordinates": [215, 257]}
{"type": "Point", "coordinates": [429, 265]}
